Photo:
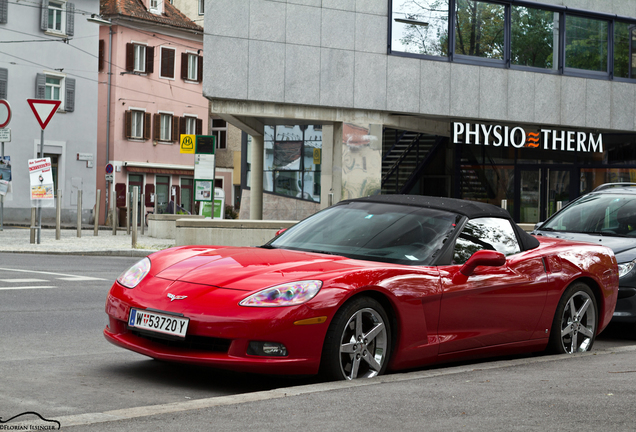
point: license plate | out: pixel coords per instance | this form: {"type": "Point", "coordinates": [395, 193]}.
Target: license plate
{"type": "Point", "coordinates": [157, 322]}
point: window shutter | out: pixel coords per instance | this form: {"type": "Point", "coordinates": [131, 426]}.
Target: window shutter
{"type": "Point", "coordinates": [100, 56]}
{"type": "Point", "coordinates": [184, 66]}
{"type": "Point", "coordinates": [182, 125]}
{"type": "Point", "coordinates": [44, 18]}
{"type": "Point", "coordinates": [69, 103]}
{"type": "Point", "coordinates": [4, 11]}
{"type": "Point", "coordinates": [149, 189]}
{"type": "Point", "coordinates": [40, 86]}
{"type": "Point", "coordinates": [156, 121]}
{"type": "Point", "coordinates": [4, 80]}
{"type": "Point", "coordinates": [147, 126]}
{"type": "Point", "coordinates": [199, 126]}
{"type": "Point", "coordinates": [130, 57]}
{"type": "Point", "coordinates": [150, 59]}
{"type": "Point", "coordinates": [70, 19]}
{"type": "Point", "coordinates": [199, 68]}
{"type": "Point", "coordinates": [175, 128]}
{"type": "Point", "coordinates": [167, 62]}
{"type": "Point", "coordinates": [128, 124]}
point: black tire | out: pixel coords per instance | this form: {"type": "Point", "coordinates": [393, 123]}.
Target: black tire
{"type": "Point", "coordinates": [358, 341]}
{"type": "Point", "coordinates": [575, 321]}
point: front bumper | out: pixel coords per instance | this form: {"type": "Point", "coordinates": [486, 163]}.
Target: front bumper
{"type": "Point", "coordinates": [220, 331]}
{"type": "Point", "coordinates": [625, 311]}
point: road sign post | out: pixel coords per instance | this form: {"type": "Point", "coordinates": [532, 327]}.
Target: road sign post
{"type": "Point", "coordinates": [5, 135]}
{"type": "Point", "coordinates": [44, 110]}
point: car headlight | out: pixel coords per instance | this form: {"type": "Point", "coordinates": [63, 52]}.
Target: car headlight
{"type": "Point", "coordinates": [289, 294]}
{"type": "Point", "coordinates": [131, 277]}
{"type": "Point", "coordinates": [624, 268]}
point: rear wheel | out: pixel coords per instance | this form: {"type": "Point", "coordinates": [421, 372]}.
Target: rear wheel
{"type": "Point", "coordinates": [575, 321]}
{"type": "Point", "coordinates": [358, 342]}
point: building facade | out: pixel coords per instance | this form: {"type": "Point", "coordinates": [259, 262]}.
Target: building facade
{"type": "Point", "coordinates": [50, 51]}
{"type": "Point", "coordinates": [151, 69]}
{"type": "Point", "coordinates": [228, 150]}
{"type": "Point", "coordinates": [526, 104]}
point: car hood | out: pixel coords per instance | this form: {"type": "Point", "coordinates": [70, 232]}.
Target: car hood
{"type": "Point", "coordinates": [624, 247]}
{"type": "Point", "coordinates": [254, 268]}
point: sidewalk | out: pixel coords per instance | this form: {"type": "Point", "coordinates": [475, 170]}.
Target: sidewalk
{"type": "Point", "coordinates": [17, 239]}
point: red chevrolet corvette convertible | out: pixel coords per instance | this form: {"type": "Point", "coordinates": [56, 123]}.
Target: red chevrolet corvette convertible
{"type": "Point", "coordinates": [368, 285]}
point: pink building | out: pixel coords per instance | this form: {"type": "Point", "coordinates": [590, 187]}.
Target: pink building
{"type": "Point", "coordinates": [150, 93]}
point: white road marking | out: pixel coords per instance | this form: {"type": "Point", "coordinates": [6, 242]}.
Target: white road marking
{"type": "Point", "coordinates": [23, 280]}
{"type": "Point", "coordinates": [66, 277]}
{"type": "Point", "coordinates": [17, 287]}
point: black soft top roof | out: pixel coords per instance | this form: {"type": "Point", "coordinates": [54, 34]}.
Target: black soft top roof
{"type": "Point", "coordinates": [470, 209]}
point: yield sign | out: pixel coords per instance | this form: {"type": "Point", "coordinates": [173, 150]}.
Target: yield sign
{"type": "Point", "coordinates": [43, 110]}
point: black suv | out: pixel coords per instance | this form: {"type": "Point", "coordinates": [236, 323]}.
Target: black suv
{"type": "Point", "coordinates": [606, 216]}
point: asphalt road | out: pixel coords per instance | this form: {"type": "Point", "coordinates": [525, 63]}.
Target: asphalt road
{"type": "Point", "coordinates": [55, 361]}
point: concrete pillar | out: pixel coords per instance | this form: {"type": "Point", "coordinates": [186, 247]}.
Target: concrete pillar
{"type": "Point", "coordinates": [331, 170]}
{"type": "Point", "coordinates": [256, 180]}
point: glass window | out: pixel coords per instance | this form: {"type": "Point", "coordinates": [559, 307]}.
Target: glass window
{"type": "Point", "coordinates": [607, 213]}
{"type": "Point", "coordinates": [219, 130]}
{"type": "Point", "coordinates": [191, 125]}
{"type": "Point", "coordinates": [485, 233]}
{"type": "Point", "coordinates": [624, 57]}
{"type": "Point", "coordinates": [137, 124]}
{"type": "Point", "coordinates": [165, 128]}
{"type": "Point", "coordinates": [140, 58]}
{"type": "Point", "coordinates": [52, 89]}
{"type": "Point", "coordinates": [479, 29]}
{"type": "Point", "coordinates": [56, 15]}
{"type": "Point", "coordinates": [586, 44]}
{"type": "Point", "coordinates": [292, 161]}
{"type": "Point", "coordinates": [201, 7]}
{"type": "Point", "coordinates": [193, 61]}
{"type": "Point", "coordinates": [534, 37]}
{"type": "Point", "coordinates": [420, 27]}
{"type": "Point", "coordinates": [373, 231]}
{"type": "Point", "coordinates": [187, 194]}
{"type": "Point", "coordinates": [162, 187]}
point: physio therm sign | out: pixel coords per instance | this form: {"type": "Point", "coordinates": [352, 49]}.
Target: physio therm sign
{"type": "Point", "coordinates": [517, 137]}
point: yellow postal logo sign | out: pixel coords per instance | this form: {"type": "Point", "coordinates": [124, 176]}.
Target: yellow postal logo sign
{"type": "Point", "coordinates": [187, 143]}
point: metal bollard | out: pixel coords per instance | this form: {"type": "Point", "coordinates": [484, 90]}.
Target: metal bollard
{"type": "Point", "coordinates": [134, 216]}
{"type": "Point", "coordinates": [113, 217]}
{"type": "Point", "coordinates": [559, 205]}
{"type": "Point", "coordinates": [96, 215]}
{"type": "Point", "coordinates": [143, 214]}
{"type": "Point", "coordinates": [58, 215]}
{"type": "Point", "coordinates": [504, 204]}
{"type": "Point", "coordinates": [79, 213]}
{"type": "Point", "coordinates": [128, 213]}
{"type": "Point", "coordinates": [33, 227]}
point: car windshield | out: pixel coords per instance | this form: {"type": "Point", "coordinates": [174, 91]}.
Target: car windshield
{"type": "Point", "coordinates": [372, 231]}
{"type": "Point", "coordinates": [601, 214]}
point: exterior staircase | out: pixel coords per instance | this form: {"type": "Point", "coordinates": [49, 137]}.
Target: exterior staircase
{"type": "Point", "coordinates": [405, 154]}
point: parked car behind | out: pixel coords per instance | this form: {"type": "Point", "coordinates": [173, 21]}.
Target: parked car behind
{"type": "Point", "coordinates": [605, 216]}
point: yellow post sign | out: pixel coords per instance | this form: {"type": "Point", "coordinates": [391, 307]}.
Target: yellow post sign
{"type": "Point", "coordinates": [317, 156]}
{"type": "Point", "coordinates": [186, 145]}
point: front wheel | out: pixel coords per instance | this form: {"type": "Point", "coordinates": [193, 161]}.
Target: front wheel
{"type": "Point", "coordinates": [358, 342]}
{"type": "Point", "coordinates": [575, 321]}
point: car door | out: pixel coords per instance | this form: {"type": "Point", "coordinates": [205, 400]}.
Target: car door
{"type": "Point", "coordinates": [494, 305]}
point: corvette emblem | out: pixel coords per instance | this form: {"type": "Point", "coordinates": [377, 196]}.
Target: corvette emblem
{"type": "Point", "coordinates": [173, 297]}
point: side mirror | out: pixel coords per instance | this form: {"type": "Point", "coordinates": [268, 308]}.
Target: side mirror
{"type": "Point", "coordinates": [482, 257]}
{"type": "Point", "coordinates": [280, 231]}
